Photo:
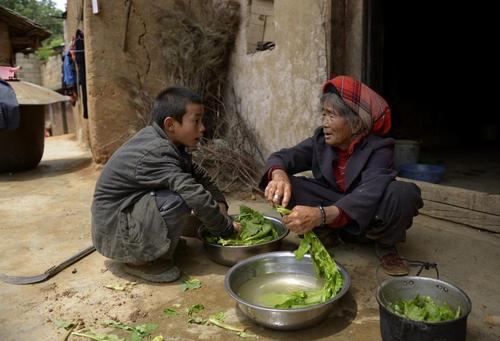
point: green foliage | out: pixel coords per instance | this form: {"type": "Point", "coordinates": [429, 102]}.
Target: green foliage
{"type": "Point", "coordinates": [41, 12]}
{"type": "Point", "coordinates": [255, 230]}
{"type": "Point", "coordinates": [46, 50]}
{"type": "Point", "coordinates": [423, 308]}
{"type": "Point", "coordinates": [44, 13]}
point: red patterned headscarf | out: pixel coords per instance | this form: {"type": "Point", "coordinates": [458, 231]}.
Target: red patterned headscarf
{"type": "Point", "coordinates": [371, 107]}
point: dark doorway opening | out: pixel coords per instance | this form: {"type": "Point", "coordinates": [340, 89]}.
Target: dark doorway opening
{"type": "Point", "coordinates": [434, 65]}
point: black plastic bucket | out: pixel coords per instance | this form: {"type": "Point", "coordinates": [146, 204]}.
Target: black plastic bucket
{"type": "Point", "coordinates": [396, 327]}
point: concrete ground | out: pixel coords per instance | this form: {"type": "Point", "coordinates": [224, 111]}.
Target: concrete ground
{"type": "Point", "coordinates": [45, 218]}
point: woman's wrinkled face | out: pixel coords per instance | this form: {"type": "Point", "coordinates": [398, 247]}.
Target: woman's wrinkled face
{"type": "Point", "coordinates": [335, 128]}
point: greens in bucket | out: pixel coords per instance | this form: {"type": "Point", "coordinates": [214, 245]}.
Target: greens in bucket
{"type": "Point", "coordinates": [255, 229]}
{"type": "Point", "coordinates": [423, 308]}
{"type": "Point", "coordinates": [325, 268]}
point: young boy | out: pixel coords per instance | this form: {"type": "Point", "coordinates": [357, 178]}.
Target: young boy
{"type": "Point", "coordinates": [149, 189]}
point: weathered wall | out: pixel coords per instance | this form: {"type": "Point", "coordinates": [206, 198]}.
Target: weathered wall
{"type": "Point", "coordinates": [278, 90]}
{"type": "Point", "coordinates": [30, 68]}
{"type": "Point", "coordinates": [112, 117]}
{"type": "Point", "coordinates": [50, 72]}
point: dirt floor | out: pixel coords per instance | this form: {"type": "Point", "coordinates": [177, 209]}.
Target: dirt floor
{"type": "Point", "coordinates": [45, 218]}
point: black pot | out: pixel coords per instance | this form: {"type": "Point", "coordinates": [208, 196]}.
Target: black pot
{"type": "Point", "coordinates": [396, 327]}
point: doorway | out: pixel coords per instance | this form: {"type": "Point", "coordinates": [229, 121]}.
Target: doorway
{"type": "Point", "coordinates": [431, 61]}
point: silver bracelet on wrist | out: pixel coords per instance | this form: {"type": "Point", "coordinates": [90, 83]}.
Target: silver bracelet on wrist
{"type": "Point", "coordinates": [323, 215]}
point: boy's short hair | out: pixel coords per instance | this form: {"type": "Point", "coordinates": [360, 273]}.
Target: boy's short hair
{"type": "Point", "coordinates": [172, 102]}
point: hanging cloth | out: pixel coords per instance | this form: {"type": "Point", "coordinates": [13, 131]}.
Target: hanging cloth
{"type": "Point", "coordinates": [78, 52]}
{"type": "Point", "coordinates": [9, 108]}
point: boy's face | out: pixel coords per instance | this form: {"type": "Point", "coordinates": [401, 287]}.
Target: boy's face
{"type": "Point", "coordinates": [190, 131]}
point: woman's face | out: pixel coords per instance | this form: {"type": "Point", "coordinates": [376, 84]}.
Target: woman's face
{"type": "Point", "coordinates": [335, 128]}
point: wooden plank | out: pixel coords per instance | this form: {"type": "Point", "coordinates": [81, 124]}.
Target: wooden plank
{"type": "Point", "coordinates": [460, 215]}
{"type": "Point", "coordinates": [459, 197]}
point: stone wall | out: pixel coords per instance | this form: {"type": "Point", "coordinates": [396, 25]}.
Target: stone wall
{"type": "Point", "coordinates": [30, 68]}
{"type": "Point", "coordinates": [51, 72]}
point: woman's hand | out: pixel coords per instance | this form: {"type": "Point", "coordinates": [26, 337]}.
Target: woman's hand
{"type": "Point", "coordinates": [303, 219]}
{"type": "Point", "coordinates": [279, 190]}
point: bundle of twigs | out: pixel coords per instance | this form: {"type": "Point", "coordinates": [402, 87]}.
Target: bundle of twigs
{"type": "Point", "coordinates": [196, 43]}
{"type": "Point", "coordinates": [233, 159]}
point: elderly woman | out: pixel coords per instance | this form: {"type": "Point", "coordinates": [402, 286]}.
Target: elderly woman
{"type": "Point", "coordinates": [353, 187]}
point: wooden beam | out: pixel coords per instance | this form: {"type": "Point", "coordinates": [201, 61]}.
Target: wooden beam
{"type": "Point", "coordinates": [23, 40]}
{"type": "Point", "coordinates": [477, 209]}
{"type": "Point", "coordinates": [459, 197]}
{"type": "Point", "coordinates": [480, 220]}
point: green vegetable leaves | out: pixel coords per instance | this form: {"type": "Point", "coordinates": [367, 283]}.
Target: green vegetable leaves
{"type": "Point", "coordinates": [138, 332]}
{"type": "Point", "coordinates": [256, 229]}
{"type": "Point", "coordinates": [64, 324]}
{"type": "Point", "coordinates": [325, 268]}
{"type": "Point", "coordinates": [195, 309]}
{"type": "Point", "coordinates": [323, 263]}
{"type": "Point", "coordinates": [282, 210]}
{"type": "Point", "coordinates": [91, 334]}
{"type": "Point", "coordinates": [170, 312]}
{"type": "Point", "coordinates": [423, 308]}
{"type": "Point", "coordinates": [191, 284]}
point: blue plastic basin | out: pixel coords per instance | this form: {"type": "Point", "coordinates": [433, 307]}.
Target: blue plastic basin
{"type": "Point", "coordinates": [422, 172]}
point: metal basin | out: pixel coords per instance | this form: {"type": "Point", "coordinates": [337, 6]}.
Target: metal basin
{"type": "Point", "coordinates": [230, 255]}
{"type": "Point", "coordinates": [282, 262]}
{"type": "Point", "coordinates": [395, 327]}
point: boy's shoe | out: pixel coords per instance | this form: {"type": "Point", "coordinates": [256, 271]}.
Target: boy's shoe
{"type": "Point", "coordinates": [390, 260]}
{"type": "Point", "coordinates": [159, 271]}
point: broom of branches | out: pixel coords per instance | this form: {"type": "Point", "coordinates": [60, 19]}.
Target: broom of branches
{"type": "Point", "coordinates": [196, 44]}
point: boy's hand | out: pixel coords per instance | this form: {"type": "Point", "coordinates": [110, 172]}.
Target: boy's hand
{"type": "Point", "coordinates": [237, 226]}
{"type": "Point", "coordinates": [222, 208]}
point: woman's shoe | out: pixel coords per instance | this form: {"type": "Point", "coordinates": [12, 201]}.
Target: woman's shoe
{"type": "Point", "coordinates": [391, 261]}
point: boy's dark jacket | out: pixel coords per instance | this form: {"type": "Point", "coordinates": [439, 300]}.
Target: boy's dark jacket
{"type": "Point", "coordinates": [368, 171]}
{"type": "Point", "coordinates": [126, 223]}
